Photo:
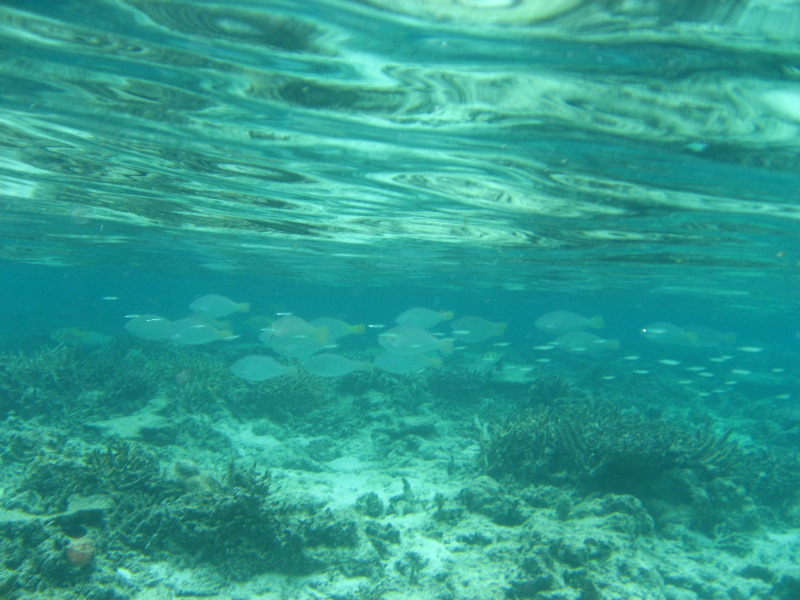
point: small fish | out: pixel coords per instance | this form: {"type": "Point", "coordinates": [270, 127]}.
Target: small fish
{"type": "Point", "coordinates": [149, 327]}
{"type": "Point", "coordinates": [331, 365]}
{"type": "Point", "coordinates": [109, 298]}
{"type": "Point", "coordinates": [740, 372]}
{"type": "Point", "coordinates": [194, 331]}
{"type": "Point", "coordinates": [730, 382]}
{"type": "Point", "coordinates": [783, 396]}
{"type": "Point", "coordinates": [376, 326]}
{"type": "Point", "coordinates": [668, 334]}
{"type": "Point", "coordinates": [544, 348]}
{"type": "Point", "coordinates": [696, 369]}
{"type": "Point", "coordinates": [543, 360]}
{"type": "Point", "coordinates": [501, 344]}
{"type": "Point", "coordinates": [669, 362]}
{"type": "Point", "coordinates": [750, 349]}
{"type": "Point", "coordinates": [409, 340]}
{"type": "Point", "coordinates": [778, 370]}
{"type": "Point", "coordinates": [684, 381]}
{"type": "Point", "coordinates": [608, 377]}
{"type": "Point", "coordinates": [86, 338]}
{"type": "Point", "coordinates": [424, 318]}
{"type": "Point", "coordinates": [584, 342]}
{"type": "Point", "coordinates": [630, 357]}
{"type": "Point", "coordinates": [560, 322]}
{"type": "Point", "coordinates": [705, 374]}
{"type": "Point", "coordinates": [284, 314]}
{"type": "Point", "coordinates": [491, 357]}
{"type": "Point", "coordinates": [641, 371]}
{"type": "Point", "coordinates": [294, 337]}
{"type": "Point", "coordinates": [259, 368]}
{"type": "Point", "coordinates": [400, 364]}
{"type": "Point", "coordinates": [471, 329]}
{"type": "Point", "coordinates": [216, 306]}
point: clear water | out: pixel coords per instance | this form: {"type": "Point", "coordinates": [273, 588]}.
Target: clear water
{"type": "Point", "coordinates": [633, 158]}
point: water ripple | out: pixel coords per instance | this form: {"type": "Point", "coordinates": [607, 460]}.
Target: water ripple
{"type": "Point", "coordinates": [500, 142]}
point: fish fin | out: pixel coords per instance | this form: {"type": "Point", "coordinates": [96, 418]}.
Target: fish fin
{"type": "Point", "coordinates": [244, 307]}
{"type": "Point", "coordinates": [597, 322]}
{"type": "Point", "coordinates": [446, 314]}
{"type": "Point", "coordinates": [360, 328]}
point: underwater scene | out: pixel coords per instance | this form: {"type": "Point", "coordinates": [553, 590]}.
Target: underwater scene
{"type": "Point", "coordinates": [400, 300]}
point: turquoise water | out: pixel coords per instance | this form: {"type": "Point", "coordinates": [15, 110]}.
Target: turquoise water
{"type": "Point", "coordinates": [502, 158]}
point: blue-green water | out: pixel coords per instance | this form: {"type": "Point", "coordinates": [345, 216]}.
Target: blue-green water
{"type": "Point", "coordinates": [503, 158]}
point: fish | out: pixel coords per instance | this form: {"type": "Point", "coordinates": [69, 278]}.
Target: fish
{"type": "Point", "coordinates": [259, 322]}
{"type": "Point", "coordinates": [400, 364]}
{"type": "Point", "coordinates": [84, 338]}
{"type": "Point", "coordinates": [256, 367]}
{"type": "Point", "coordinates": [193, 331]}
{"type": "Point", "coordinates": [491, 358]}
{"type": "Point", "coordinates": [662, 332]}
{"type": "Point", "coordinates": [472, 329]}
{"type": "Point", "coordinates": [424, 318]}
{"type": "Point", "coordinates": [336, 327]}
{"type": "Point", "coordinates": [585, 342]}
{"type": "Point", "coordinates": [409, 340]}
{"type": "Point", "coordinates": [327, 364]}
{"type": "Point", "coordinates": [560, 322]}
{"type": "Point", "coordinates": [670, 362]}
{"type": "Point", "coordinates": [294, 337]}
{"type": "Point", "coordinates": [710, 338]}
{"type": "Point", "coordinates": [216, 306]}
{"type": "Point", "coordinates": [750, 349]}
{"type": "Point", "coordinates": [149, 327]}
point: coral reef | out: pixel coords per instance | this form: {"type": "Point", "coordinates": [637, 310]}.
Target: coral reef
{"type": "Point", "coordinates": [594, 445]}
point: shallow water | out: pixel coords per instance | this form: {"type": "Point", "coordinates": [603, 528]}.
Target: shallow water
{"type": "Point", "coordinates": [625, 158]}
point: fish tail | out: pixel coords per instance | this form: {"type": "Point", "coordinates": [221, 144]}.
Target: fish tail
{"type": "Point", "coordinates": [360, 328]}
{"type": "Point", "coordinates": [243, 307]}
{"type": "Point", "coordinates": [500, 328]}
{"type": "Point", "coordinates": [446, 314]}
{"type": "Point", "coordinates": [597, 322]}
{"type": "Point", "coordinates": [446, 346]}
